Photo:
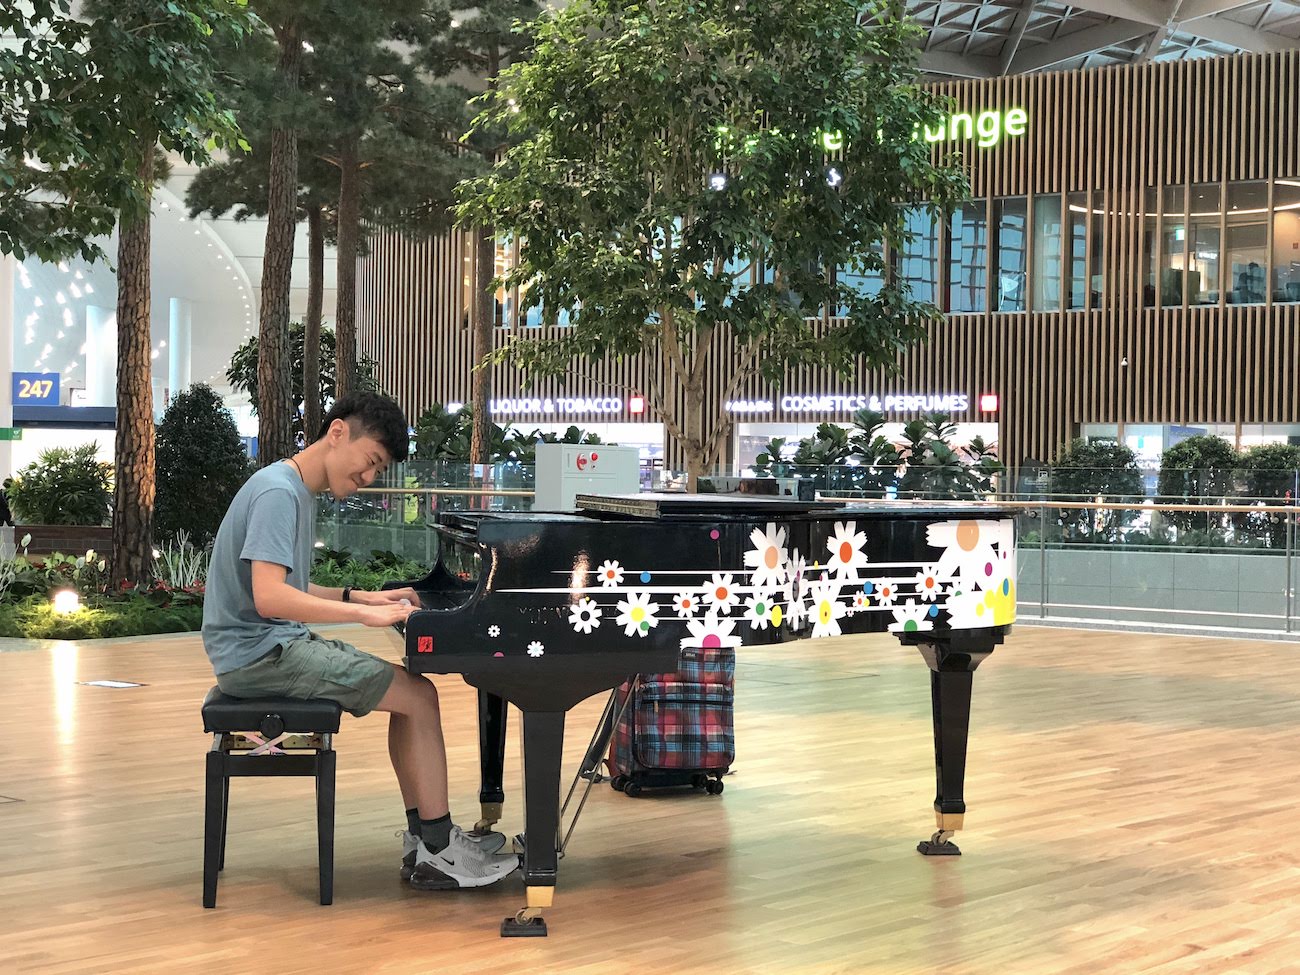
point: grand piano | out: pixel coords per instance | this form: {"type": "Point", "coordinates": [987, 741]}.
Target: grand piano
{"type": "Point", "coordinates": [545, 609]}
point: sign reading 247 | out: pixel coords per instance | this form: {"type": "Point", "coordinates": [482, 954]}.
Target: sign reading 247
{"type": "Point", "coordinates": [36, 389]}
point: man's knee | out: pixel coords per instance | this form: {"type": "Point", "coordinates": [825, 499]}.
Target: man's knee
{"type": "Point", "coordinates": [421, 689]}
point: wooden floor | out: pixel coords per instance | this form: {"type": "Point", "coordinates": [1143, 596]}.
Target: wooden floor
{"type": "Point", "coordinates": [1130, 802]}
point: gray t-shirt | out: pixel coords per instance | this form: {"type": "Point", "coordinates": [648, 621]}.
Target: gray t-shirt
{"type": "Point", "coordinates": [271, 519]}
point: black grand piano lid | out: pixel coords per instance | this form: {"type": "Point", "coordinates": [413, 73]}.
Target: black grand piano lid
{"type": "Point", "coordinates": [751, 507]}
{"type": "Point", "coordinates": [652, 505]}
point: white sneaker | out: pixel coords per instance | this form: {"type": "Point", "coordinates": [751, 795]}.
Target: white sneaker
{"type": "Point", "coordinates": [486, 840]}
{"type": "Point", "coordinates": [462, 864]}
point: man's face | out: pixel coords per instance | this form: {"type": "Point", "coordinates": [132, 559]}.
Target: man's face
{"type": "Point", "coordinates": [353, 461]}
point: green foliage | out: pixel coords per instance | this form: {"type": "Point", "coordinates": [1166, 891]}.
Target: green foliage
{"type": "Point", "coordinates": [1269, 473]}
{"type": "Point", "coordinates": [40, 575]}
{"type": "Point", "coordinates": [133, 614]}
{"type": "Point", "coordinates": [201, 464]}
{"type": "Point", "coordinates": [82, 98]}
{"type": "Point", "coordinates": [441, 435]}
{"type": "Point", "coordinates": [64, 486]}
{"type": "Point", "coordinates": [1087, 470]}
{"type": "Point", "coordinates": [864, 462]}
{"type": "Point", "coordinates": [338, 568]}
{"type": "Point", "coordinates": [181, 565]}
{"type": "Point", "coordinates": [938, 469]}
{"type": "Point", "coordinates": [1196, 471]}
{"type": "Point", "coordinates": [623, 114]}
{"type": "Point", "coordinates": [242, 372]}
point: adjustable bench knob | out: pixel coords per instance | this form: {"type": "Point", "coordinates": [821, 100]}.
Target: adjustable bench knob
{"type": "Point", "coordinates": [271, 726]}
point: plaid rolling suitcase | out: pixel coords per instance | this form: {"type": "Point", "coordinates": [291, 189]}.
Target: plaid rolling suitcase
{"type": "Point", "coordinates": [677, 729]}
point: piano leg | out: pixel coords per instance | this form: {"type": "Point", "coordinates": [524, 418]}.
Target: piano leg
{"type": "Point", "coordinates": [951, 674]}
{"type": "Point", "coordinates": [543, 748]}
{"type": "Point", "coordinates": [491, 758]}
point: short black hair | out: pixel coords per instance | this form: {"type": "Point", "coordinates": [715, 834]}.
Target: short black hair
{"type": "Point", "coordinates": [372, 415]}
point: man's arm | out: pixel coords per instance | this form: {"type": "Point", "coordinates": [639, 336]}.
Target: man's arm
{"type": "Point", "coordinates": [276, 599]}
{"type": "Point", "coordinates": [364, 596]}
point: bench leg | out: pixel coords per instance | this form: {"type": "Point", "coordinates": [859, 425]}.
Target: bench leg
{"type": "Point", "coordinates": [325, 764]}
{"type": "Point", "coordinates": [213, 824]}
{"type": "Point", "coordinates": [225, 819]}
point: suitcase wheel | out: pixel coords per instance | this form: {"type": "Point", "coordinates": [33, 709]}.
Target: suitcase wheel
{"type": "Point", "coordinates": [714, 787]}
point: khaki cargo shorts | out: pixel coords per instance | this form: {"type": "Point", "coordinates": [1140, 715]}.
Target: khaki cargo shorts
{"type": "Point", "coordinates": [315, 668]}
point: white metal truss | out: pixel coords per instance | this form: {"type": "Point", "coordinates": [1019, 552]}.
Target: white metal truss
{"type": "Point", "coordinates": [988, 38]}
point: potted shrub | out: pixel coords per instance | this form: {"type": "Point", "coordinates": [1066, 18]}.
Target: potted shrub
{"type": "Point", "coordinates": [201, 465]}
{"type": "Point", "coordinates": [62, 501]}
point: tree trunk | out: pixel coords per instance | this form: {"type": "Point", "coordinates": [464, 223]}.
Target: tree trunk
{"type": "Point", "coordinates": [483, 321]}
{"type": "Point", "coordinates": [311, 398]}
{"type": "Point", "coordinates": [345, 316]}
{"type": "Point", "coordinates": [134, 486]}
{"type": "Point", "coordinates": [275, 405]}
{"type": "Point", "coordinates": [693, 428]}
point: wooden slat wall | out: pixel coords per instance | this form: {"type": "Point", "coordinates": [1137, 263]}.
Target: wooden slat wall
{"type": "Point", "coordinates": [1115, 130]}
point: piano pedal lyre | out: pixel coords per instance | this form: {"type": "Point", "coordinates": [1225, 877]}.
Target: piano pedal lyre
{"type": "Point", "coordinates": [528, 921]}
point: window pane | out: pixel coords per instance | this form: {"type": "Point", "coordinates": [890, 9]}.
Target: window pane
{"type": "Point", "coordinates": [1173, 248]}
{"type": "Point", "coordinates": [1009, 261]}
{"type": "Point", "coordinates": [1286, 240]}
{"type": "Point", "coordinates": [1077, 261]}
{"type": "Point", "coordinates": [1245, 251]}
{"type": "Point", "coordinates": [1047, 253]}
{"type": "Point", "coordinates": [968, 241]}
{"type": "Point", "coordinates": [1150, 256]}
{"type": "Point", "coordinates": [1203, 230]}
{"type": "Point", "coordinates": [917, 261]}
{"type": "Point", "coordinates": [1097, 264]}
{"type": "Point", "coordinates": [863, 280]}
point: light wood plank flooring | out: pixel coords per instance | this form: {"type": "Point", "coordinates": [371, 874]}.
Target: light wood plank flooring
{"type": "Point", "coordinates": [1129, 799]}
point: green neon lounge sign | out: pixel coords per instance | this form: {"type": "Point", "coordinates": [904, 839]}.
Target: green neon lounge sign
{"type": "Point", "coordinates": [987, 128]}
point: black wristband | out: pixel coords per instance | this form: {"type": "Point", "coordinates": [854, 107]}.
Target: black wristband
{"type": "Point", "coordinates": [347, 594]}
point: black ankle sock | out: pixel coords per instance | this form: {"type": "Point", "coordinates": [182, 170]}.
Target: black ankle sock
{"type": "Point", "coordinates": [436, 833]}
{"type": "Point", "coordinates": [413, 821]}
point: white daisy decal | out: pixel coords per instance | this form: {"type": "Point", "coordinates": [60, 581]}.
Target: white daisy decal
{"type": "Point", "coordinates": [758, 610]}
{"type": "Point", "coordinates": [535, 649]}
{"type": "Point", "coordinates": [711, 633]}
{"type": "Point", "coordinates": [861, 601]}
{"type": "Point", "coordinates": [584, 615]}
{"type": "Point", "coordinates": [768, 557]}
{"type": "Point", "coordinates": [845, 546]}
{"type": "Point", "coordinates": [494, 631]}
{"type": "Point", "coordinates": [885, 591]}
{"type": "Point", "coordinates": [929, 586]}
{"type": "Point", "coordinates": [793, 583]}
{"type": "Point", "coordinates": [967, 550]}
{"type": "Point", "coordinates": [636, 614]}
{"type": "Point", "coordinates": [827, 610]}
{"type": "Point", "coordinates": [610, 574]}
{"type": "Point", "coordinates": [721, 593]}
{"type": "Point", "coordinates": [910, 618]}
{"type": "Point", "coordinates": [966, 610]}
{"type": "Point", "coordinates": [686, 602]}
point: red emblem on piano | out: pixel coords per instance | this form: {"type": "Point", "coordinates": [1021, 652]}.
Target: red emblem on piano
{"type": "Point", "coordinates": [424, 644]}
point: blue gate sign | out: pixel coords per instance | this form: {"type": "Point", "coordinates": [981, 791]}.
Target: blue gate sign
{"type": "Point", "coordinates": [36, 389]}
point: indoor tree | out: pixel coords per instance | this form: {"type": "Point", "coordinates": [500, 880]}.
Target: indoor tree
{"type": "Point", "coordinates": [88, 102]}
{"type": "Point", "coordinates": [688, 177]}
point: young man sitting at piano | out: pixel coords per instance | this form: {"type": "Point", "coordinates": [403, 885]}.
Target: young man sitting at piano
{"type": "Point", "coordinates": [259, 604]}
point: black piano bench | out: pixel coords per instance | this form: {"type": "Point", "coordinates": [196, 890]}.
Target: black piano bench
{"type": "Point", "coordinates": [267, 736]}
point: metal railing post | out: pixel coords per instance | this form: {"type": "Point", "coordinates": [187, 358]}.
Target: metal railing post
{"type": "Point", "coordinates": [1042, 561]}
{"type": "Point", "coordinates": [1290, 555]}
